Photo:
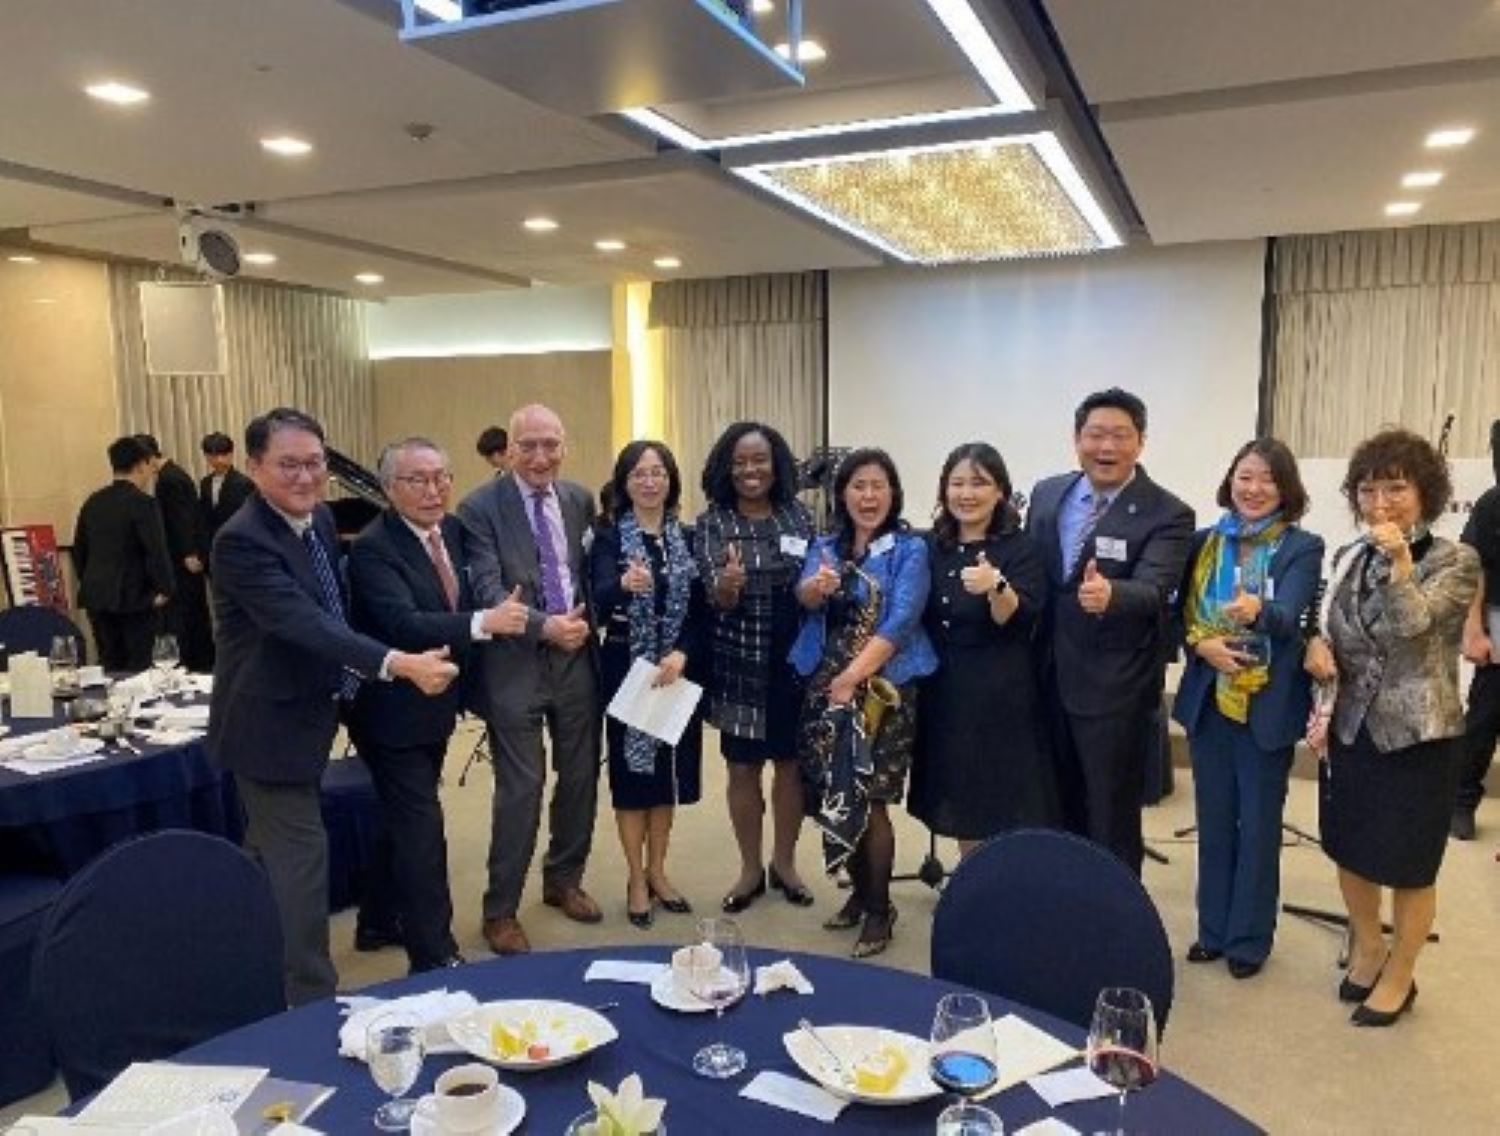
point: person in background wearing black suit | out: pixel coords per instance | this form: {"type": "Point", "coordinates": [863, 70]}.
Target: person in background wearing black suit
{"type": "Point", "coordinates": [120, 556]}
{"type": "Point", "coordinates": [1482, 648]}
{"type": "Point", "coordinates": [494, 447]}
{"type": "Point", "coordinates": [224, 489]}
{"type": "Point", "coordinates": [187, 541]}
{"type": "Point", "coordinates": [287, 658]}
{"type": "Point", "coordinates": [409, 586]}
{"type": "Point", "coordinates": [1115, 545]}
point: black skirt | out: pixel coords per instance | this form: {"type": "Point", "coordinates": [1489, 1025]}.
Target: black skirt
{"type": "Point", "coordinates": [1385, 816]}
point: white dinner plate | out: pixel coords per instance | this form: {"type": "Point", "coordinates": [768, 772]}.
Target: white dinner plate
{"type": "Point", "coordinates": [852, 1043]}
{"type": "Point", "coordinates": [569, 1032]}
{"type": "Point", "coordinates": [665, 994]}
{"type": "Point", "coordinates": [80, 748]}
{"type": "Point", "coordinates": [510, 1110]}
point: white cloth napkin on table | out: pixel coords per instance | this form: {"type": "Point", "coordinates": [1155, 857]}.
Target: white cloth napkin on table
{"type": "Point", "coordinates": [782, 975]}
{"type": "Point", "coordinates": [14, 747]}
{"type": "Point", "coordinates": [171, 737]}
{"type": "Point", "coordinates": [794, 1095]}
{"type": "Point", "coordinates": [621, 970]}
{"type": "Point", "coordinates": [36, 768]}
{"type": "Point", "coordinates": [1069, 1085]}
{"type": "Point", "coordinates": [183, 717]}
{"type": "Point", "coordinates": [433, 1009]}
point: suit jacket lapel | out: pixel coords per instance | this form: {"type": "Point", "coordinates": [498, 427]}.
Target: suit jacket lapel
{"type": "Point", "coordinates": [514, 518]}
{"type": "Point", "coordinates": [296, 552]}
{"type": "Point", "coordinates": [418, 558]}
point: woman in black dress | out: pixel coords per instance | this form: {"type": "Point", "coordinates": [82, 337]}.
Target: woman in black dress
{"type": "Point", "coordinates": [1395, 611]}
{"type": "Point", "coordinates": [983, 763]}
{"type": "Point", "coordinates": [751, 541]}
{"type": "Point", "coordinates": [648, 600]}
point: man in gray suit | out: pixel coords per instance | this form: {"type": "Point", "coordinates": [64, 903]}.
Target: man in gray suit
{"type": "Point", "coordinates": [526, 531]}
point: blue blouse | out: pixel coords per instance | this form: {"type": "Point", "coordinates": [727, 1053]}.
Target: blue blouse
{"type": "Point", "coordinates": [901, 572]}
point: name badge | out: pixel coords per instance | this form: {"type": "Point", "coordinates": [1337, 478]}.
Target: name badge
{"type": "Point", "coordinates": [1109, 548]}
{"type": "Point", "coordinates": [1270, 589]}
{"type": "Point", "coordinates": [793, 546]}
{"type": "Point", "coordinates": [883, 545]}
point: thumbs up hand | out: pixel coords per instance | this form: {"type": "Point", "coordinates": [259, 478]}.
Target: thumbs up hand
{"type": "Point", "coordinates": [826, 580]}
{"type": "Point", "coordinates": [637, 578]}
{"type": "Point", "coordinates": [981, 577]}
{"type": "Point", "coordinates": [1095, 591]}
{"type": "Point", "coordinates": [730, 581]}
{"type": "Point", "coordinates": [1243, 609]}
{"type": "Point", "coordinates": [509, 616]}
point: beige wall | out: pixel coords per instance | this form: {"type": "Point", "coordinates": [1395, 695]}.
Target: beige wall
{"type": "Point", "coordinates": [57, 389]}
{"type": "Point", "coordinates": [451, 400]}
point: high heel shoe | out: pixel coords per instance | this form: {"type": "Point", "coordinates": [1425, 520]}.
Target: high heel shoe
{"type": "Point", "coordinates": [1353, 992]}
{"type": "Point", "coordinates": [641, 919]}
{"type": "Point", "coordinates": [735, 902]}
{"type": "Point", "coordinates": [676, 905]}
{"type": "Point", "coordinates": [1364, 1016]}
{"type": "Point", "coordinates": [797, 896]}
{"type": "Point", "coordinates": [873, 942]}
{"type": "Point", "coordinates": [847, 916]}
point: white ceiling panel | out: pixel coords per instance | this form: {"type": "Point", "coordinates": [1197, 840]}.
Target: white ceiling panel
{"type": "Point", "coordinates": [23, 204]}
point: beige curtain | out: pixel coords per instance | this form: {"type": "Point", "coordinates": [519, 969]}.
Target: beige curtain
{"type": "Point", "coordinates": [747, 347]}
{"type": "Point", "coordinates": [283, 347]}
{"type": "Point", "coordinates": [1392, 327]}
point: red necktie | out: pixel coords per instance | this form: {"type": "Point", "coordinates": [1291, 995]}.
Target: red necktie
{"type": "Point", "coordinates": [444, 569]}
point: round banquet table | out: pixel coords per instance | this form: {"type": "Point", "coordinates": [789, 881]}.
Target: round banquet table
{"type": "Point", "coordinates": [659, 1044]}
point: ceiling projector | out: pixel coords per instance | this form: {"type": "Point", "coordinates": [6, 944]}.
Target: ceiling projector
{"type": "Point", "coordinates": [208, 249]}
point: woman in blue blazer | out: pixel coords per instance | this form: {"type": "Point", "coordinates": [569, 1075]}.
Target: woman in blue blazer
{"type": "Point", "coordinates": [853, 633]}
{"type": "Point", "coordinates": [1244, 698]}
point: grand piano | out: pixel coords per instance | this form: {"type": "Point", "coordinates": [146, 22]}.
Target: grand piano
{"type": "Point", "coordinates": [351, 514]}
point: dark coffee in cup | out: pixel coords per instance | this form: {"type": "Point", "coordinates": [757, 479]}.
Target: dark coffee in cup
{"type": "Point", "coordinates": [464, 1089]}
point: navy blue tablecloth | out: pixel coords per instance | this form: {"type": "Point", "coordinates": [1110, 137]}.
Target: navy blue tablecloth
{"type": "Point", "coordinates": [659, 1045]}
{"type": "Point", "coordinates": [56, 823]}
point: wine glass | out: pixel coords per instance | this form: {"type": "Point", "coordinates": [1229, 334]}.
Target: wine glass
{"type": "Point", "coordinates": [720, 986]}
{"type": "Point", "coordinates": [962, 1056]}
{"type": "Point", "coordinates": [395, 1046]}
{"type": "Point", "coordinates": [62, 661]}
{"type": "Point", "coordinates": [1122, 1042]}
{"type": "Point", "coordinates": [969, 1119]}
{"type": "Point", "coordinates": [164, 658]}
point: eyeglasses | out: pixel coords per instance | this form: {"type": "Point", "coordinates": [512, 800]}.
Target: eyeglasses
{"type": "Point", "coordinates": [642, 475]}
{"type": "Point", "coordinates": [420, 482]}
{"type": "Point", "coordinates": [1383, 490]}
{"type": "Point", "coordinates": [548, 446]}
{"type": "Point", "coordinates": [289, 468]}
{"type": "Point", "coordinates": [1120, 437]}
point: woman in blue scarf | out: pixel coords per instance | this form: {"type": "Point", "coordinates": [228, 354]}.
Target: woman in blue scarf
{"type": "Point", "coordinates": [648, 601]}
{"type": "Point", "coordinates": [1244, 698]}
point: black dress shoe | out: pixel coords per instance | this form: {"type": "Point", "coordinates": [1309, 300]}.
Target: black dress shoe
{"type": "Point", "coordinates": [1199, 953]}
{"type": "Point", "coordinates": [368, 939]}
{"type": "Point", "coordinates": [1364, 1016]}
{"type": "Point", "coordinates": [1461, 827]}
{"type": "Point", "coordinates": [445, 964]}
{"type": "Point", "coordinates": [735, 902]}
{"type": "Point", "coordinates": [796, 896]}
{"type": "Point", "coordinates": [641, 919]}
{"type": "Point", "coordinates": [1354, 992]}
{"type": "Point", "coordinates": [1244, 968]}
{"type": "Point", "coordinates": [676, 905]}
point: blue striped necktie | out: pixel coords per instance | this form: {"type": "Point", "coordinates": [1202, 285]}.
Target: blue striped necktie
{"type": "Point", "coordinates": [332, 602]}
{"type": "Point", "coordinates": [1096, 503]}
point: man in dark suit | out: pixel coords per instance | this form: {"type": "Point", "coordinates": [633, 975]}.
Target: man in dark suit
{"type": "Point", "coordinates": [409, 586]}
{"type": "Point", "coordinates": [1115, 544]}
{"type": "Point", "coordinates": [286, 659]}
{"type": "Point", "coordinates": [225, 489]}
{"type": "Point", "coordinates": [526, 530]}
{"type": "Point", "coordinates": [187, 541]}
{"type": "Point", "coordinates": [120, 555]}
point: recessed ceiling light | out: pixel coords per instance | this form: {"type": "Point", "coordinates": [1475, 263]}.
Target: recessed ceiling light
{"type": "Point", "coordinates": [539, 224]}
{"type": "Point", "coordinates": [1402, 208]}
{"type": "Point", "coordinates": [286, 146]}
{"type": "Point", "coordinates": [121, 94]}
{"type": "Point", "coordinates": [442, 9]}
{"type": "Point", "coordinates": [1449, 137]}
{"type": "Point", "coordinates": [1422, 179]}
{"type": "Point", "coordinates": [259, 258]}
{"type": "Point", "coordinates": [667, 262]}
{"type": "Point", "coordinates": [762, 7]}
{"type": "Point", "coordinates": [370, 278]}
{"type": "Point", "coordinates": [609, 244]}
{"type": "Point", "coordinates": [21, 258]}
{"type": "Point", "coordinates": [808, 51]}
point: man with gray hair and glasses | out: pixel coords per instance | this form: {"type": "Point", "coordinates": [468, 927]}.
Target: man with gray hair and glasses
{"type": "Point", "coordinates": [409, 587]}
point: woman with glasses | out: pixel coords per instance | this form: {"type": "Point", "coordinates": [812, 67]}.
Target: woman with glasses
{"type": "Point", "coordinates": [649, 603]}
{"type": "Point", "coordinates": [1397, 600]}
{"type": "Point", "coordinates": [751, 541]}
{"type": "Point", "coordinates": [1244, 697]}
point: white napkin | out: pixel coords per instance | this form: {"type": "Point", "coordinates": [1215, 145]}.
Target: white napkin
{"type": "Point", "coordinates": [183, 717]}
{"type": "Point", "coordinates": [617, 970]}
{"type": "Point", "coordinates": [1024, 1051]}
{"type": "Point", "coordinates": [782, 975]}
{"type": "Point", "coordinates": [1047, 1126]}
{"type": "Point", "coordinates": [1068, 1086]}
{"type": "Point", "coordinates": [14, 747]}
{"type": "Point", "coordinates": [141, 685]}
{"type": "Point", "coordinates": [780, 1091]}
{"type": "Point", "coordinates": [432, 1009]}
{"type": "Point", "coordinates": [163, 736]}
{"type": "Point", "coordinates": [36, 768]}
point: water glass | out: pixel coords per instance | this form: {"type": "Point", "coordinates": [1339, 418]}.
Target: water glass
{"type": "Point", "coordinates": [395, 1045]}
{"type": "Point", "coordinates": [720, 988]}
{"type": "Point", "coordinates": [62, 662]}
{"type": "Point", "coordinates": [164, 658]}
{"type": "Point", "coordinates": [969, 1119]}
{"type": "Point", "coordinates": [962, 1057]}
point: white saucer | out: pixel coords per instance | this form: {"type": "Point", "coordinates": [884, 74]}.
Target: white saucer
{"type": "Point", "coordinates": [665, 994]}
{"type": "Point", "coordinates": [510, 1110]}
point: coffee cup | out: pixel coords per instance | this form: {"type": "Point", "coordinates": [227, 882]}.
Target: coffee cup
{"type": "Point", "coordinates": [60, 741]}
{"type": "Point", "coordinates": [91, 676]}
{"type": "Point", "coordinates": [467, 1098]}
{"type": "Point", "coordinates": [693, 967]}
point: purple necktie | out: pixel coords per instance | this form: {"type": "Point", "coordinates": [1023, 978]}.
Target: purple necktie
{"type": "Point", "coordinates": [552, 587]}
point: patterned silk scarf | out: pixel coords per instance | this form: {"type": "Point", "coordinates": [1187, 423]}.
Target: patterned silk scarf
{"type": "Point", "coordinates": [1217, 574]}
{"type": "Point", "coordinates": [652, 637]}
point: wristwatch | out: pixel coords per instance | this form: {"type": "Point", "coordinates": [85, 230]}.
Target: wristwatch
{"type": "Point", "coordinates": [1001, 584]}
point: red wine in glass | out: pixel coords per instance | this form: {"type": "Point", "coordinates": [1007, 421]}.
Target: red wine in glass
{"type": "Point", "coordinates": [1124, 1070]}
{"type": "Point", "coordinates": [1122, 1046]}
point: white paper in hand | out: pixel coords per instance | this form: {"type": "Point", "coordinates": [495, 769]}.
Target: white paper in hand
{"type": "Point", "coordinates": [663, 712]}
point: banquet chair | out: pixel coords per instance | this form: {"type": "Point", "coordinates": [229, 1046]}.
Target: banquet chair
{"type": "Point", "coordinates": [1049, 919]}
{"type": "Point", "coordinates": [25, 1057]}
{"type": "Point", "coordinates": [32, 628]}
{"type": "Point", "coordinates": [160, 943]}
